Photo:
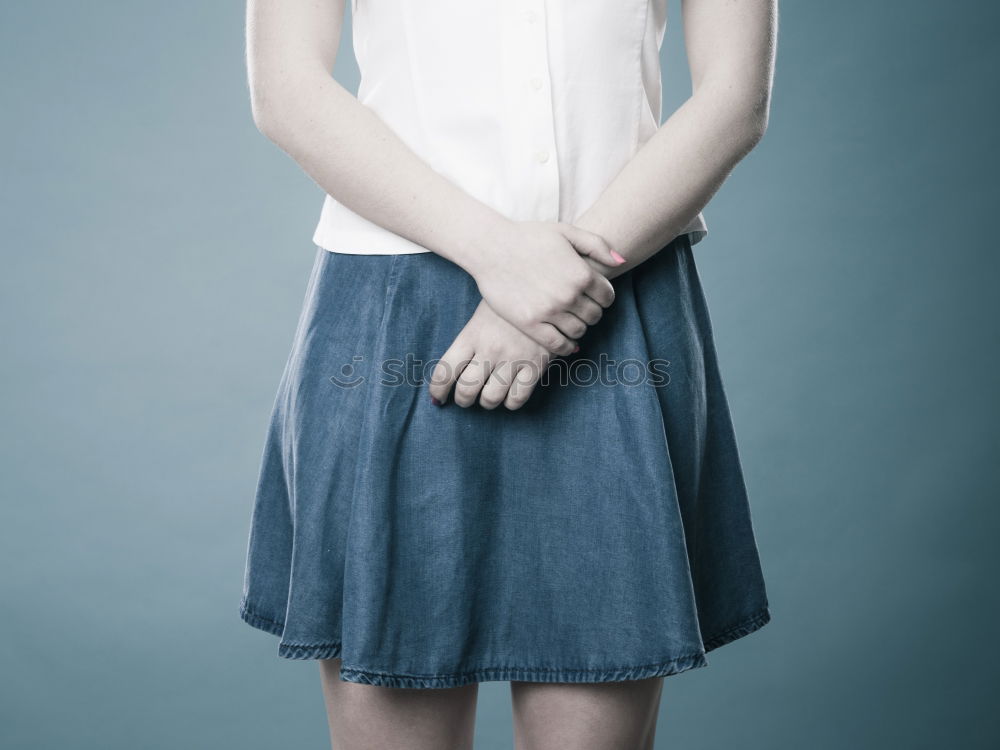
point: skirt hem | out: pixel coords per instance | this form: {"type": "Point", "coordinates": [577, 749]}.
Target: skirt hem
{"type": "Point", "coordinates": [302, 651]}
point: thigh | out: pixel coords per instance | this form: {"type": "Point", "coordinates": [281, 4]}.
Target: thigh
{"type": "Point", "coordinates": [367, 716]}
{"type": "Point", "coordinates": [586, 716]}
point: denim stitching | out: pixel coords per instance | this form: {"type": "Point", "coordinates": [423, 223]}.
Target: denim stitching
{"type": "Point", "coordinates": [521, 669]}
{"type": "Point", "coordinates": [745, 627]}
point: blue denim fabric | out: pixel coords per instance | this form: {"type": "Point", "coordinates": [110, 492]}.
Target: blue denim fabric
{"type": "Point", "coordinates": [600, 533]}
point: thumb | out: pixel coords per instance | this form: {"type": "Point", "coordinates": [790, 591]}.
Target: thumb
{"type": "Point", "coordinates": [590, 245]}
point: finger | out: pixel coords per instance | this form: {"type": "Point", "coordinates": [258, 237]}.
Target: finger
{"type": "Point", "coordinates": [523, 385]}
{"type": "Point", "coordinates": [570, 325]}
{"type": "Point", "coordinates": [448, 369]}
{"type": "Point", "coordinates": [587, 310]}
{"type": "Point", "coordinates": [552, 339]}
{"type": "Point", "coordinates": [600, 290]}
{"type": "Point", "coordinates": [601, 268]}
{"type": "Point", "coordinates": [591, 245]}
{"type": "Point", "coordinates": [471, 381]}
{"type": "Point", "coordinates": [495, 390]}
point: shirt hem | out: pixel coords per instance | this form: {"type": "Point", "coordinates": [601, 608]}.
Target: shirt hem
{"type": "Point", "coordinates": [360, 243]}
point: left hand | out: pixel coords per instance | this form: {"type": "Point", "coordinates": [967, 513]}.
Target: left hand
{"type": "Point", "coordinates": [491, 361]}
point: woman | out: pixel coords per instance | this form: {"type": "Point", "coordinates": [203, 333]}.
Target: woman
{"type": "Point", "coordinates": [500, 448]}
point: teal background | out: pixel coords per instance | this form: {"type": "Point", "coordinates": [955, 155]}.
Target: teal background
{"type": "Point", "coordinates": [155, 253]}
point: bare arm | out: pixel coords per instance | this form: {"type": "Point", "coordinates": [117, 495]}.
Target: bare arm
{"type": "Point", "coordinates": [532, 273]}
{"type": "Point", "coordinates": [731, 49]}
{"type": "Point", "coordinates": [731, 52]}
{"type": "Point", "coordinates": [345, 147]}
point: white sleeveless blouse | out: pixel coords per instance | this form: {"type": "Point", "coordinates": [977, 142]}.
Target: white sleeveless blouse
{"type": "Point", "coordinates": [531, 106]}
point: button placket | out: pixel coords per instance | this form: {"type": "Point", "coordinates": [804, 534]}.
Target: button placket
{"type": "Point", "coordinates": [538, 106]}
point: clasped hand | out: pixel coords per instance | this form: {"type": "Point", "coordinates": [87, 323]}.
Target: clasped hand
{"type": "Point", "coordinates": [542, 287]}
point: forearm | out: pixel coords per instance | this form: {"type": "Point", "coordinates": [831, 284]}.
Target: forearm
{"type": "Point", "coordinates": [673, 176]}
{"type": "Point", "coordinates": [731, 50]}
{"type": "Point", "coordinates": [357, 159]}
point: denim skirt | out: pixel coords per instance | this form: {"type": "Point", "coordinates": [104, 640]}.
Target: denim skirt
{"type": "Point", "coordinates": [600, 533]}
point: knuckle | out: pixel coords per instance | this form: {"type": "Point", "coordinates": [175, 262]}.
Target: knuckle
{"type": "Point", "coordinates": [464, 396]}
{"type": "Point", "coordinates": [563, 299]}
{"type": "Point", "coordinates": [531, 373]}
{"type": "Point", "coordinates": [488, 402]}
{"type": "Point", "coordinates": [499, 380]}
{"type": "Point", "coordinates": [440, 374]}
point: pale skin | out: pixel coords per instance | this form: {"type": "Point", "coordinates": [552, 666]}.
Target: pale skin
{"type": "Point", "coordinates": [533, 274]}
{"type": "Point", "coordinates": [731, 49]}
{"type": "Point", "coordinates": [543, 284]}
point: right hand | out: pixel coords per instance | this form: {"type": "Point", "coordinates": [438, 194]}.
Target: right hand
{"type": "Point", "coordinates": [490, 361]}
{"type": "Point", "coordinates": [536, 276]}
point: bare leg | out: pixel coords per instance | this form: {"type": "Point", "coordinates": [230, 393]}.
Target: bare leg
{"type": "Point", "coordinates": [365, 716]}
{"type": "Point", "coordinates": [586, 716]}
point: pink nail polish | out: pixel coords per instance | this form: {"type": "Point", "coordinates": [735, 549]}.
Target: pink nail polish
{"type": "Point", "coordinates": [435, 401]}
{"type": "Point", "coordinates": [616, 256]}
{"type": "Point", "coordinates": [576, 349]}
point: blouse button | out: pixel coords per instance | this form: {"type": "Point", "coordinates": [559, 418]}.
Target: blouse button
{"type": "Point", "coordinates": [542, 156]}
{"type": "Point", "coordinates": [536, 83]}
{"type": "Point", "coordinates": [530, 16]}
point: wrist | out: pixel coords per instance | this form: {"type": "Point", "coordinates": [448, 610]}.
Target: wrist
{"type": "Point", "coordinates": [482, 240]}
{"type": "Point", "coordinates": [591, 221]}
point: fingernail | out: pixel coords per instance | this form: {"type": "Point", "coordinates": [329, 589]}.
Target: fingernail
{"type": "Point", "coordinates": [576, 349]}
{"type": "Point", "coordinates": [616, 256]}
{"type": "Point", "coordinates": [435, 401]}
